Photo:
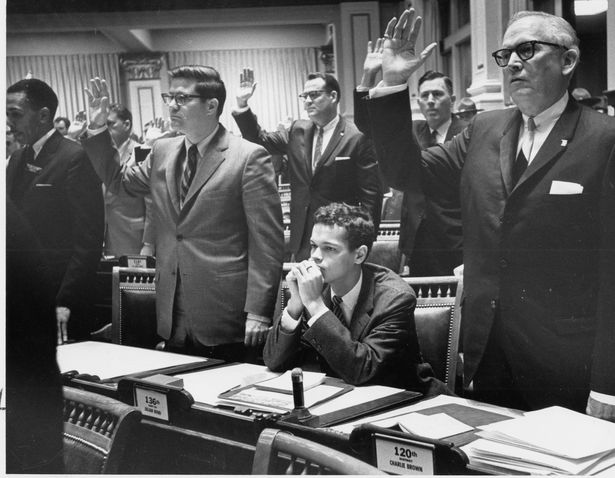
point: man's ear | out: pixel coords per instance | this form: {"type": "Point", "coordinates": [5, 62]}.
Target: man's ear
{"type": "Point", "coordinates": [360, 254]}
{"type": "Point", "coordinates": [570, 59]}
{"type": "Point", "coordinates": [44, 115]}
{"type": "Point", "coordinates": [212, 106]}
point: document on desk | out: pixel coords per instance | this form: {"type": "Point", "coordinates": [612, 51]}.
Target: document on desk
{"type": "Point", "coordinates": [206, 385]}
{"type": "Point", "coordinates": [109, 361]}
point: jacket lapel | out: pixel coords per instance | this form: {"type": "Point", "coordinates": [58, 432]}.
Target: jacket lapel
{"type": "Point", "coordinates": [177, 153]}
{"type": "Point", "coordinates": [306, 147]}
{"type": "Point", "coordinates": [362, 311]}
{"type": "Point", "coordinates": [508, 149]}
{"type": "Point", "coordinates": [556, 142]}
{"type": "Point", "coordinates": [215, 154]}
{"type": "Point", "coordinates": [327, 155]}
{"type": "Point", "coordinates": [16, 163]}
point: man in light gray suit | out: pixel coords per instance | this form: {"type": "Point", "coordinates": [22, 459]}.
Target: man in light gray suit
{"type": "Point", "coordinates": [217, 218]}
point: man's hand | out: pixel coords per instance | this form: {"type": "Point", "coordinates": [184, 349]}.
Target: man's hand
{"type": "Point", "coordinates": [310, 284]}
{"type": "Point", "coordinates": [372, 64]}
{"type": "Point", "coordinates": [247, 85]}
{"type": "Point", "coordinates": [601, 410]}
{"type": "Point", "coordinates": [62, 316]}
{"type": "Point", "coordinates": [294, 305]}
{"type": "Point", "coordinates": [399, 59]}
{"type": "Point", "coordinates": [458, 271]}
{"type": "Point", "coordinates": [98, 102]}
{"type": "Point", "coordinates": [256, 333]}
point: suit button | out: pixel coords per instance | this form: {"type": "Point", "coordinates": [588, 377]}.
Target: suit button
{"type": "Point", "coordinates": [180, 237]}
{"type": "Point", "coordinates": [502, 220]}
{"type": "Point", "coordinates": [503, 263]}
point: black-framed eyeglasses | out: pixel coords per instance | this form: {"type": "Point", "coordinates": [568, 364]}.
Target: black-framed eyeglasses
{"type": "Point", "coordinates": [524, 51]}
{"type": "Point", "coordinates": [312, 95]}
{"type": "Point", "coordinates": [180, 98]}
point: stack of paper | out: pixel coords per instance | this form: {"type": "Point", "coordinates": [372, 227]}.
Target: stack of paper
{"type": "Point", "coordinates": [554, 440]}
{"type": "Point", "coordinates": [284, 382]}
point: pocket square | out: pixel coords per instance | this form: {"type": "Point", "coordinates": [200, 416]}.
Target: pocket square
{"type": "Point", "coordinates": [43, 185]}
{"type": "Point", "coordinates": [32, 168]}
{"type": "Point", "coordinates": [565, 188]}
{"type": "Point", "coordinates": [342, 158]}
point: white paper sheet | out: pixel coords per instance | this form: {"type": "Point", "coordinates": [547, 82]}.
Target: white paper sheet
{"type": "Point", "coordinates": [112, 360]}
{"type": "Point", "coordinates": [436, 426]}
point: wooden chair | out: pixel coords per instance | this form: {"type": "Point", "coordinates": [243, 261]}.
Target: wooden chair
{"type": "Point", "coordinates": [133, 316]}
{"type": "Point", "coordinates": [280, 453]}
{"type": "Point", "coordinates": [385, 250]}
{"type": "Point", "coordinates": [438, 323]}
{"type": "Point", "coordinates": [97, 431]}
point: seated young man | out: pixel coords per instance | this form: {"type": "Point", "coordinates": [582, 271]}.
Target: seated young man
{"type": "Point", "coordinates": [370, 337]}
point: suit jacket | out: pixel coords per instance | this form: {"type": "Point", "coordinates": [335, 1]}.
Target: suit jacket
{"type": "Point", "coordinates": [347, 172]}
{"type": "Point", "coordinates": [430, 227]}
{"type": "Point", "coordinates": [227, 240]}
{"type": "Point", "coordinates": [380, 346]}
{"type": "Point", "coordinates": [127, 218]}
{"type": "Point", "coordinates": [531, 257]}
{"type": "Point", "coordinates": [63, 203]}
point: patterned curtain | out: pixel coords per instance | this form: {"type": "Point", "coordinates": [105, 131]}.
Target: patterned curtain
{"type": "Point", "coordinates": [280, 74]}
{"type": "Point", "coordinates": [68, 75]}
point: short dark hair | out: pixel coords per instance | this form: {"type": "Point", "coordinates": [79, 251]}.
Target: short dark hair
{"type": "Point", "coordinates": [38, 93]}
{"type": "Point", "coordinates": [355, 219]}
{"type": "Point", "coordinates": [331, 83]}
{"type": "Point", "coordinates": [62, 118]}
{"type": "Point", "coordinates": [433, 75]}
{"type": "Point", "coordinates": [209, 84]}
{"type": "Point", "coordinates": [121, 111]}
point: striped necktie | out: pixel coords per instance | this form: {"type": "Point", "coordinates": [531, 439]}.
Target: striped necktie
{"type": "Point", "coordinates": [189, 170]}
{"type": "Point", "coordinates": [336, 308]}
{"type": "Point", "coordinates": [317, 149]}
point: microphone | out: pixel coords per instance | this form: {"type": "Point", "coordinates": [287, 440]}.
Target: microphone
{"type": "Point", "coordinates": [299, 413]}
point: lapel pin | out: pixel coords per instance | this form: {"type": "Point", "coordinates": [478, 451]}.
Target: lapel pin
{"type": "Point", "coordinates": [564, 143]}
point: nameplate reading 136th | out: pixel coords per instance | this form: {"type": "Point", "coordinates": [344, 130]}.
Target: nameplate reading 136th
{"type": "Point", "coordinates": [151, 403]}
{"type": "Point", "coordinates": [403, 457]}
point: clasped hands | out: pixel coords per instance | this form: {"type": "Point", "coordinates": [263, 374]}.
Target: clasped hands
{"type": "Point", "coordinates": [305, 282]}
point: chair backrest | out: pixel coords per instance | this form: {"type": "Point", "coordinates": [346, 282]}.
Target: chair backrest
{"type": "Point", "coordinates": [385, 250]}
{"type": "Point", "coordinates": [97, 431]}
{"type": "Point", "coordinates": [133, 316]}
{"type": "Point", "coordinates": [438, 323]}
{"type": "Point", "coordinates": [280, 453]}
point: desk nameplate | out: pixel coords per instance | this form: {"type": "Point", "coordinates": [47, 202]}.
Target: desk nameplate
{"type": "Point", "coordinates": [403, 456]}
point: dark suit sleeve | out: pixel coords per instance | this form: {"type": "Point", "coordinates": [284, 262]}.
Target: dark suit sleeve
{"type": "Point", "coordinates": [378, 353]}
{"type": "Point", "coordinates": [603, 375]}
{"type": "Point", "coordinates": [361, 118]}
{"type": "Point", "coordinates": [368, 178]}
{"type": "Point", "coordinates": [274, 142]}
{"type": "Point", "coordinates": [283, 349]}
{"type": "Point", "coordinates": [261, 202]}
{"type": "Point", "coordinates": [404, 166]}
{"type": "Point", "coordinates": [84, 195]}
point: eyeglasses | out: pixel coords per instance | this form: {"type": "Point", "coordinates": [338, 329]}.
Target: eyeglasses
{"type": "Point", "coordinates": [312, 95]}
{"type": "Point", "coordinates": [180, 98]}
{"type": "Point", "coordinates": [524, 51]}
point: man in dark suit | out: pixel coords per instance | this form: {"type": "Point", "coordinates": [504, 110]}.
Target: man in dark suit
{"type": "Point", "coordinates": [217, 219]}
{"type": "Point", "coordinates": [53, 185]}
{"type": "Point", "coordinates": [532, 233]}
{"type": "Point", "coordinates": [360, 327]}
{"type": "Point", "coordinates": [329, 160]}
{"type": "Point", "coordinates": [430, 227]}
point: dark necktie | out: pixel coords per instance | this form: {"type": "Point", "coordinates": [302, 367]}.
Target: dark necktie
{"type": "Point", "coordinates": [336, 308]}
{"type": "Point", "coordinates": [522, 161]}
{"type": "Point", "coordinates": [317, 149]}
{"type": "Point", "coordinates": [433, 138]}
{"type": "Point", "coordinates": [188, 174]}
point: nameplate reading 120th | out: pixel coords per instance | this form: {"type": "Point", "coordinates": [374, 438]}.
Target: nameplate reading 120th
{"type": "Point", "coordinates": [403, 457]}
{"type": "Point", "coordinates": [151, 403]}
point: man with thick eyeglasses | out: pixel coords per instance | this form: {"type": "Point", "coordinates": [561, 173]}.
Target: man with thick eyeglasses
{"type": "Point", "coordinates": [328, 159]}
{"type": "Point", "coordinates": [531, 181]}
{"type": "Point", "coordinates": [217, 219]}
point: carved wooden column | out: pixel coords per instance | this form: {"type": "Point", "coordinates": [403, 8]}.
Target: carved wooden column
{"type": "Point", "coordinates": [144, 79]}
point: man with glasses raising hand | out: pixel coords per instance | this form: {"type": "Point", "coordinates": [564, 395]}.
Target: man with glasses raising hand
{"type": "Point", "coordinates": [530, 179]}
{"type": "Point", "coordinates": [329, 160]}
{"type": "Point", "coordinates": [217, 218]}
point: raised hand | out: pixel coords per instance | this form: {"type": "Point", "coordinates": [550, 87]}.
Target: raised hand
{"type": "Point", "coordinates": [98, 102]}
{"type": "Point", "coordinates": [372, 64]}
{"type": "Point", "coordinates": [399, 58]}
{"type": "Point", "coordinates": [247, 85]}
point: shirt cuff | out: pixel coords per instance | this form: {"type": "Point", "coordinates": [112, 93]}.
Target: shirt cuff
{"type": "Point", "coordinates": [95, 131]}
{"type": "Point", "coordinates": [238, 111]}
{"type": "Point", "coordinates": [362, 88]}
{"type": "Point", "coordinates": [380, 90]}
{"type": "Point", "coordinates": [288, 323]}
{"type": "Point", "coordinates": [603, 397]}
{"type": "Point", "coordinates": [259, 318]}
{"type": "Point", "coordinates": [317, 316]}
